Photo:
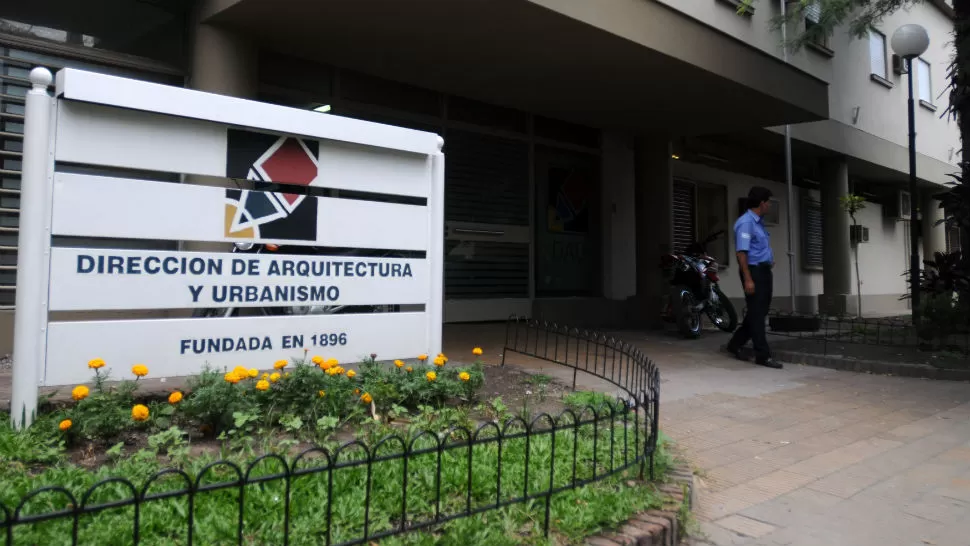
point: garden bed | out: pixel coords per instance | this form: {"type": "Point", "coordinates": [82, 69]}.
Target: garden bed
{"type": "Point", "coordinates": [247, 438]}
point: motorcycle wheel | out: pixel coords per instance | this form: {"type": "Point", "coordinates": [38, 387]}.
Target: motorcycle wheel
{"type": "Point", "coordinates": [723, 315]}
{"type": "Point", "coordinates": [215, 313]}
{"type": "Point", "coordinates": [688, 319]}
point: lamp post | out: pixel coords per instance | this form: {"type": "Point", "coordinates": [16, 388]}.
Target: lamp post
{"type": "Point", "coordinates": [909, 42]}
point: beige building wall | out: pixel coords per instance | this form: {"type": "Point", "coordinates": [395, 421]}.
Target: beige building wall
{"type": "Point", "coordinates": [882, 111]}
{"type": "Point", "coordinates": [754, 28]}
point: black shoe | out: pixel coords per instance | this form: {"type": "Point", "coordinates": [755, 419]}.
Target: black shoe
{"type": "Point", "coordinates": [771, 363]}
{"type": "Point", "coordinates": [736, 353]}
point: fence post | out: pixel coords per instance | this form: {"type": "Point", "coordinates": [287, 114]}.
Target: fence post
{"type": "Point", "coordinates": [30, 316]}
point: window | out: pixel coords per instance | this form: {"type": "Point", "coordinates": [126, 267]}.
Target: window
{"type": "Point", "coordinates": [700, 210]}
{"type": "Point", "coordinates": [923, 72]}
{"type": "Point", "coordinates": [877, 55]}
{"type": "Point", "coordinates": [812, 241]}
{"type": "Point", "coordinates": [818, 38]}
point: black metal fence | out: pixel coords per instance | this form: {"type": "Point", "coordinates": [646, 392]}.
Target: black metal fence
{"type": "Point", "coordinates": [895, 331]}
{"type": "Point", "coordinates": [358, 493]}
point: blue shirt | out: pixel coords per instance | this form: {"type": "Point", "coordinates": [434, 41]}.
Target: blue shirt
{"type": "Point", "coordinates": [750, 236]}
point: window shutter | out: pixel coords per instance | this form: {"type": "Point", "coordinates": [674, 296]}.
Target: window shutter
{"type": "Point", "coordinates": [923, 76]}
{"type": "Point", "coordinates": [683, 215]}
{"type": "Point", "coordinates": [813, 12]}
{"type": "Point", "coordinates": [812, 242]}
{"type": "Point", "coordinates": [877, 53]}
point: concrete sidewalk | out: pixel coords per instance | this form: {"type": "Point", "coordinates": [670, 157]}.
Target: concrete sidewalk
{"type": "Point", "coordinates": [804, 456]}
{"type": "Point", "coordinates": [809, 456]}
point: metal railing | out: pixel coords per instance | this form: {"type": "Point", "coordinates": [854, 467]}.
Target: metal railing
{"type": "Point", "coordinates": [413, 482]}
{"type": "Point", "coordinates": [596, 354]}
{"type": "Point", "coordinates": [883, 331]}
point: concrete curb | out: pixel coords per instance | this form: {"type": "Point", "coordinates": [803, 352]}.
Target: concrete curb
{"type": "Point", "coordinates": [900, 369]}
{"type": "Point", "coordinates": [655, 527]}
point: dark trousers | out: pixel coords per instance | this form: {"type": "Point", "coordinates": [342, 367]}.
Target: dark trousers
{"type": "Point", "coordinates": [757, 304]}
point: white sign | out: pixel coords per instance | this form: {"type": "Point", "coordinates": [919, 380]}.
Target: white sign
{"type": "Point", "coordinates": [178, 347]}
{"type": "Point", "coordinates": [100, 206]}
{"type": "Point", "coordinates": [92, 279]}
{"type": "Point", "coordinates": [291, 178]}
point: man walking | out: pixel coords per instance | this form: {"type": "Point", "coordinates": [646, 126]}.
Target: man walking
{"type": "Point", "coordinates": [755, 261]}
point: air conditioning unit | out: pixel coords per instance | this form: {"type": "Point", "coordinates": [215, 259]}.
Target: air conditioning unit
{"type": "Point", "coordinates": [897, 206]}
{"type": "Point", "coordinates": [858, 234]}
{"type": "Point", "coordinates": [899, 65]}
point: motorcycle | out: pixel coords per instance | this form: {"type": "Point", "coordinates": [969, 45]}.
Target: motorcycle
{"type": "Point", "coordinates": [310, 309]}
{"type": "Point", "coordinates": [693, 278]}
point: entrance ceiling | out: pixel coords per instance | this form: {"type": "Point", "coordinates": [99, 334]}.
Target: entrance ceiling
{"type": "Point", "coordinates": [516, 53]}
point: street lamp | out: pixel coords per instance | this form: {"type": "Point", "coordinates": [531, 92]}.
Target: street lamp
{"type": "Point", "coordinates": [909, 42]}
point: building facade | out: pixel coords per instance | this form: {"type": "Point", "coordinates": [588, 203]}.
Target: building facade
{"type": "Point", "coordinates": [583, 139]}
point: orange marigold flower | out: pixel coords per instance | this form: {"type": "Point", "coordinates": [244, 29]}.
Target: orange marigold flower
{"type": "Point", "coordinates": [442, 355]}
{"type": "Point", "coordinates": [366, 398]}
{"type": "Point", "coordinates": [175, 398]}
{"type": "Point", "coordinates": [262, 385]}
{"type": "Point", "coordinates": [351, 374]}
{"type": "Point", "coordinates": [95, 364]}
{"type": "Point", "coordinates": [409, 369]}
{"type": "Point", "coordinates": [422, 358]}
{"type": "Point", "coordinates": [232, 377]}
{"type": "Point", "coordinates": [253, 373]}
{"type": "Point", "coordinates": [274, 377]}
{"type": "Point", "coordinates": [439, 361]}
{"type": "Point", "coordinates": [65, 424]}
{"type": "Point", "coordinates": [139, 412]}
{"type": "Point", "coordinates": [356, 391]}
{"type": "Point", "coordinates": [464, 376]}
{"type": "Point", "coordinates": [318, 360]}
{"type": "Point", "coordinates": [79, 393]}
{"type": "Point", "coordinates": [431, 376]}
{"type": "Point", "coordinates": [477, 351]}
{"type": "Point", "coordinates": [280, 364]}
{"type": "Point", "coordinates": [265, 375]}
{"type": "Point", "coordinates": [322, 393]}
{"type": "Point", "coordinates": [399, 363]}
{"type": "Point", "coordinates": [140, 370]}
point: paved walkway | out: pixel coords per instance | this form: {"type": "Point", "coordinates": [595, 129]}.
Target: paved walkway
{"type": "Point", "coordinates": [806, 456]}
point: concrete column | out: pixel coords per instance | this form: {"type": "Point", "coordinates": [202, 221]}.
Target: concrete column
{"type": "Point", "coordinates": [837, 256]}
{"type": "Point", "coordinates": [934, 234]}
{"type": "Point", "coordinates": [653, 196]}
{"type": "Point", "coordinates": [222, 61]}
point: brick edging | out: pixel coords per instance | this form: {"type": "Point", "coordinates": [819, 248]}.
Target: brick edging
{"type": "Point", "coordinates": [901, 369]}
{"type": "Point", "coordinates": [654, 527]}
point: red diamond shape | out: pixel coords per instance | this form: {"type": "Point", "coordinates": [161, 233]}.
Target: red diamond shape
{"type": "Point", "coordinates": [290, 164]}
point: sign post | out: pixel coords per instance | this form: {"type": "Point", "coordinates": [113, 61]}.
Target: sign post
{"type": "Point", "coordinates": [30, 320]}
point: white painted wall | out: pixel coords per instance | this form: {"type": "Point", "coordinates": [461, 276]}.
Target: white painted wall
{"type": "Point", "coordinates": [883, 260]}
{"type": "Point", "coordinates": [619, 225]}
{"type": "Point", "coordinates": [882, 111]}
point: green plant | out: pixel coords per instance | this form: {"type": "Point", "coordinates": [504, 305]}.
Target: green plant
{"type": "Point", "coordinates": [540, 382]}
{"type": "Point", "coordinates": [941, 318]}
{"type": "Point", "coordinates": [171, 442]}
{"type": "Point", "coordinates": [32, 446]}
{"type": "Point", "coordinates": [213, 401]}
{"type": "Point", "coordinates": [580, 401]}
{"type": "Point", "coordinates": [852, 204]}
{"type": "Point", "coordinates": [103, 413]}
{"type": "Point", "coordinates": [496, 410]}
